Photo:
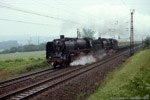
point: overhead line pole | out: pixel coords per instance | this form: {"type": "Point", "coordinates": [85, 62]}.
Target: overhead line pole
{"type": "Point", "coordinates": [132, 34]}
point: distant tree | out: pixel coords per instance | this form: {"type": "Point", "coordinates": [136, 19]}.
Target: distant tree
{"type": "Point", "coordinates": [13, 49]}
{"type": "Point", "coordinates": [88, 33]}
{"type": "Point", "coordinates": [8, 44]}
{"type": "Point", "coordinates": [147, 42]}
{"type": "Point", "coordinates": [42, 46]}
{"type": "Point", "coordinates": [5, 51]}
{"type": "Point", "coordinates": [30, 47]}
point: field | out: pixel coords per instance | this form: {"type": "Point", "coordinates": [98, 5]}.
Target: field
{"type": "Point", "coordinates": [130, 81]}
{"type": "Point", "coordinates": [19, 63]}
{"type": "Point", "coordinates": [23, 55]}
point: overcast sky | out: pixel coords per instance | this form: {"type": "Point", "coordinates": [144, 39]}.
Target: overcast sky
{"type": "Point", "coordinates": [50, 18]}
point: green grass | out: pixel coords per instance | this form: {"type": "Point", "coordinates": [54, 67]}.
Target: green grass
{"type": "Point", "coordinates": [23, 55]}
{"type": "Point", "coordinates": [16, 64]}
{"type": "Point", "coordinates": [81, 95]}
{"type": "Point", "coordinates": [130, 80]}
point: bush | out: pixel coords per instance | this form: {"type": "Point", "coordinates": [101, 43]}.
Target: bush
{"type": "Point", "coordinates": [8, 60]}
{"type": "Point", "coordinates": [32, 58]}
{"type": "Point", "coordinates": [19, 60]}
{"type": "Point", "coordinates": [139, 86]}
{"type": "Point", "coordinates": [147, 42]}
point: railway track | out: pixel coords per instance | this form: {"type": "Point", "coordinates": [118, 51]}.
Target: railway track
{"type": "Point", "coordinates": [17, 83]}
{"type": "Point", "coordinates": [34, 89]}
{"type": "Point", "coordinates": [25, 77]}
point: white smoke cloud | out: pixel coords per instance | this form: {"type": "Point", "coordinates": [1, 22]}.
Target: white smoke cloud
{"type": "Point", "coordinates": [83, 60]}
{"type": "Point", "coordinates": [101, 56]}
{"type": "Point", "coordinates": [88, 59]}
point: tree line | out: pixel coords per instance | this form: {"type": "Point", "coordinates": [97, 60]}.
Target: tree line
{"type": "Point", "coordinates": [25, 48]}
{"type": "Point", "coordinates": [8, 44]}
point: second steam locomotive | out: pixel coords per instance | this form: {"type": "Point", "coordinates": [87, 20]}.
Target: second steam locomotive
{"type": "Point", "coordinates": [61, 52]}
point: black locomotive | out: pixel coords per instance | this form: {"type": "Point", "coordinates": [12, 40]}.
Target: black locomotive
{"type": "Point", "coordinates": [62, 51]}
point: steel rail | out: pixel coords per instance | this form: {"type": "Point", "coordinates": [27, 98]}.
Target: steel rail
{"type": "Point", "coordinates": [25, 77]}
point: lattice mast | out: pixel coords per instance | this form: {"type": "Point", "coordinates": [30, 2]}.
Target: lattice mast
{"type": "Point", "coordinates": [132, 34]}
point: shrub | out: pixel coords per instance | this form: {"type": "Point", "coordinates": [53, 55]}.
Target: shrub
{"type": "Point", "coordinates": [81, 95]}
{"type": "Point", "coordinates": [147, 42]}
{"type": "Point", "coordinates": [8, 60]}
{"type": "Point", "coordinates": [19, 60]}
{"type": "Point", "coordinates": [139, 86]}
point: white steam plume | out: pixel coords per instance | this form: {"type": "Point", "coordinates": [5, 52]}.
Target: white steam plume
{"type": "Point", "coordinates": [84, 60]}
{"type": "Point", "coordinates": [88, 59]}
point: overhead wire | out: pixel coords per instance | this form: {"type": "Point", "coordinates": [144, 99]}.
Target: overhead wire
{"type": "Point", "coordinates": [47, 5]}
{"type": "Point", "coordinates": [32, 12]}
{"type": "Point", "coordinates": [123, 2]}
{"type": "Point", "coordinates": [59, 9]}
{"type": "Point", "coordinates": [62, 3]}
{"type": "Point", "coordinates": [65, 5]}
{"type": "Point", "coordinates": [18, 21]}
{"type": "Point", "coordinates": [35, 13]}
{"type": "Point", "coordinates": [73, 14]}
{"type": "Point", "coordinates": [62, 9]}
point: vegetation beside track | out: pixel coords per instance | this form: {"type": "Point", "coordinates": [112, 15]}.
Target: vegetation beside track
{"type": "Point", "coordinates": [147, 42]}
{"type": "Point", "coordinates": [19, 63]}
{"type": "Point", "coordinates": [130, 81]}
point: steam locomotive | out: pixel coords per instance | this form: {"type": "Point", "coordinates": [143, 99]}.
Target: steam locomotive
{"type": "Point", "coordinates": [61, 52]}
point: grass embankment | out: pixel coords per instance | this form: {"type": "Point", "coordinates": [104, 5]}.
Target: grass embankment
{"type": "Point", "coordinates": [16, 64]}
{"type": "Point", "coordinates": [130, 81]}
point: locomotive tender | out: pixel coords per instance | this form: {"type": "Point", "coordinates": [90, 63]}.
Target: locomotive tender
{"type": "Point", "coordinates": [61, 52]}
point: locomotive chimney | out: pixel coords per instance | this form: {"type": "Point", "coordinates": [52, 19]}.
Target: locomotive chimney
{"type": "Point", "coordinates": [62, 36]}
{"type": "Point", "coordinates": [99, 38]}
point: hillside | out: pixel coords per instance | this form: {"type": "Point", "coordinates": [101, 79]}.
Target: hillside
{"type": "Point", "coordinates": [130, 81]}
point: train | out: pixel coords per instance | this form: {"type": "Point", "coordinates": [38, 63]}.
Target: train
{"type": "Point", "coordinates": [62, 51]}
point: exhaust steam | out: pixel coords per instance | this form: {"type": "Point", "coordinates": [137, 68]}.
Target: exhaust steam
{"type": "Point", "coordinates": [83, 60]}
{"type": "Point", "coordinates": [88, 59]}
